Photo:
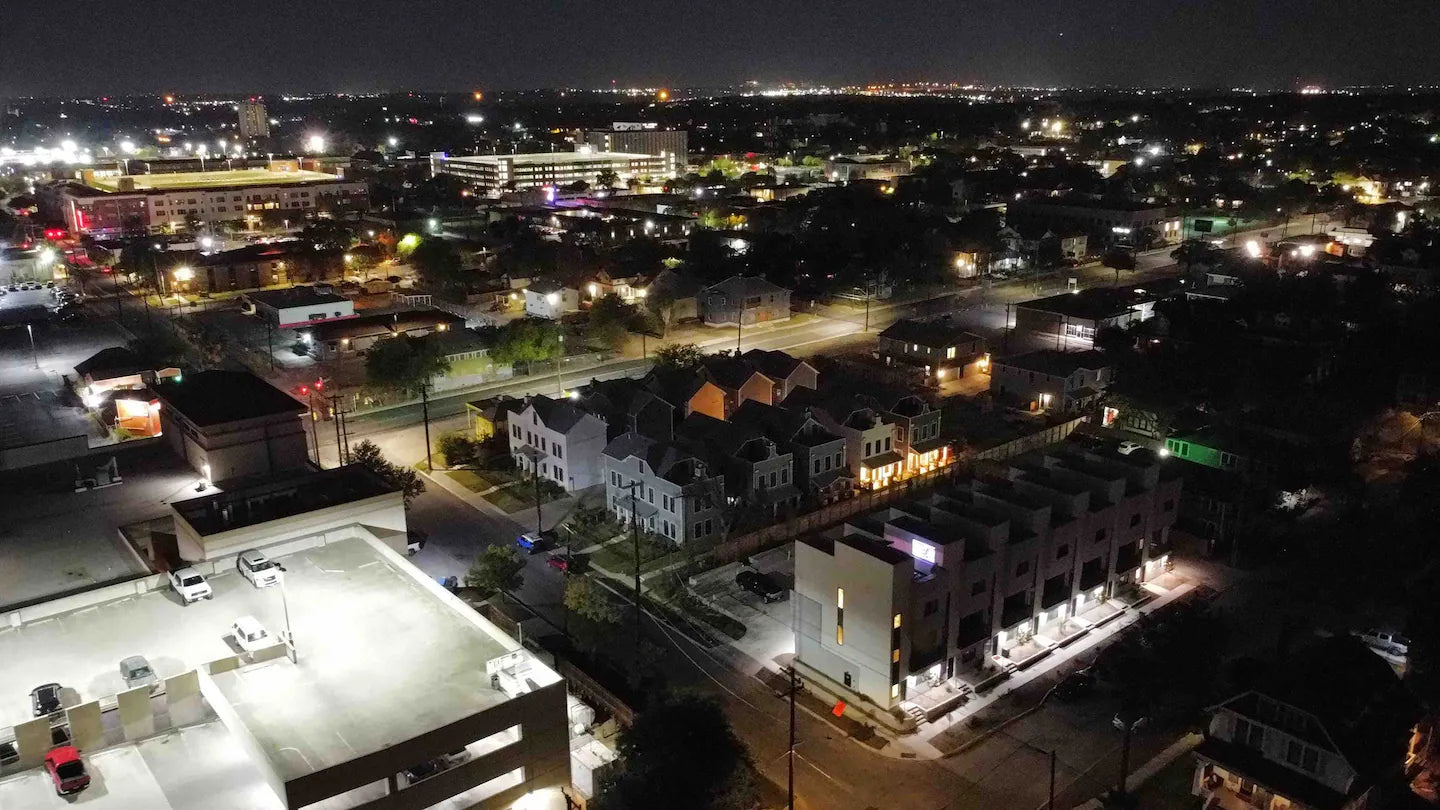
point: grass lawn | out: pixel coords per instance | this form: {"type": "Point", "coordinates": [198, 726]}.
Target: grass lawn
{"type": "Point", "coordinates": [512, 499]}
{"type": "Point", "coordinates": [471, 480]}
{"type": "Point", "coordinates": [471, 365]}
{"type": "Point", "coordinates": [619, 556]}
{"type": "Point", "coordinates": [1169, 788]}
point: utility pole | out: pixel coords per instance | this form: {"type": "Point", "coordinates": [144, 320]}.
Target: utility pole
{"type": "Point", "coordinates": [539, 524]}
{"type": "Point", "coordinates": [559, 358]}
{"type": "Point", "coordinates": [790, 759]}
{"type": "Point", "coordinates": [345, 430]}
{"type": "Point", "coordinates": [34, 355]}
{"type": "Point", "coordinates": [315, 428]}
{"type": "Point", "coordinates": [739, 327]}
{"type": "Point", "coordinates": [335, 415]}
{"type": "Point", "coordinates": [635, 537]}
{"type": "Point", "coordinates": [425, 415]}
{"type": "Point", "coordinates": [1050, 805]}
{"type": "Point", "coordinates": [269, 338]}
{"type": "Point", "coordinates": [1125, 755]}
{"type": "Point", "coordinates": [868, 296]}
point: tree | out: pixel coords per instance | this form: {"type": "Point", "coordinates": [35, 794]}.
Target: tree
{"type": "Point", "coordinates": [661, 306]}
{"type": "Point", "coordinates": [586, 599]}
{"type": "Point", "coordinates": [438, 264]}
{"type": "Point", "coordinates": [681, 752]}
{"type": "Point", "coordinates": [527, 340]}
{"type": "Point", "coordinates": [159, 348]}
{"type": "Point", "coordinates": [368, 455]}
{"type": "Point", "coordinates": [404, 363]}
{"type": "Point", "coordinates": [679, 355]}
{"type": "Point", "coordinates": [497, 569]}
{"type": "Point", "coordinates": [610, 321]}
{"type": "Point", "coordinates": [458, 449]}
{"type": "Point", "coordinates": [1118, 259]}
{"type": "Point", "coordinates": [1114, 339]}
{"type": "Point", "coordinates": [607, 179]}
{"type": "Point", "coordinates": [328, 234]}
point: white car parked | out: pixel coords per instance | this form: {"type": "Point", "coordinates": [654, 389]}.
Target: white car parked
{"type": "Point", "coordinates": [1386, 641]}
{"type": "Point", "coordinates": [259, 569]}
{"type": "Point", "coordinates": [250, 634]}
{"type": "Point", "coordinates": [191, 585]}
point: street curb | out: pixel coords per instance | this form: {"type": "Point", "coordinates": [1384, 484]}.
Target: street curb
{"type": "Point", "coordinates": [992, 731]}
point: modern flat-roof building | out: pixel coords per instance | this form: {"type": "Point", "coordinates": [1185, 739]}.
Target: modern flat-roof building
{"type": "Point", "coordinates": [642, 139]}
{"type": "Point", "coordinates": [230, 424]}
{"type": "Point", "coordinates": [1105, 221]}
{"type": "Point", "coordinates": [1080, 315]}
{"type": "Point", "coordinates": [994, 569]}
{"type": "Point", "coordinates": [113, 204]}
{"type": "Point", "coordinates": [493, 174]}
{"type": "Point", "coordinates": [301, 305]}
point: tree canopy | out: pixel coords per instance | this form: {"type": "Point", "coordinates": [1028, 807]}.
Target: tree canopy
{"type": "Point", "coordinates": [611, 320]}
{"type": "Point", "coordinates": [496, 569]}
{"type": "Point", "coordinates": [367, 454]}
{"type": "Point", "coordinates": [679, 355]}
{"type": "Point", "coordinates": [405, 363]}
{"type": "Point", "coordinates": [681, 752]}
{"type": "Point", "coordinates": [527, 340]}
{"type": "Point", "coordinates": [438, 264]}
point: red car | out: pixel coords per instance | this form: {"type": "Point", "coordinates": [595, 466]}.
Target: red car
{"type": "Point", "coordinates": [561, 562]}
{"type": "Point", "coordinates": [65, 768]}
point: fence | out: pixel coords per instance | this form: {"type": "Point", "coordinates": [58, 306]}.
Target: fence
{"type": "Point", "coordinates": [1044, 438]}
{"type": "Point", "coordinates": [591, 689]}
{"type": "Point", "coordinates": [768, 537]}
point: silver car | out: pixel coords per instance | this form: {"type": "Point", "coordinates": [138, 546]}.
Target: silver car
{"type": "Point", "coordinates": [137, 672]}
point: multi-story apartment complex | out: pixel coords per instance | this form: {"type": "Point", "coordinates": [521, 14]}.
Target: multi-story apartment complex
{"type": "Point", "coordinates": [115, 205]}
{"type": "Point", "coordinates": [254, 121]}
{"type": "Point", "coordinates": [664, 487]}
{"type": "Point", "coordinates": [493, 174]}
{"type": "Point", "coordinates": [1105, 221]}
{"type": "Point", "coordinates": [936, 586]}
{"type": "Point", "coordinates": [643, 139]}
{"type": "Point", "coordinates": [1049, 380]}
{"type": "Point", "coordinates": [557, 439]}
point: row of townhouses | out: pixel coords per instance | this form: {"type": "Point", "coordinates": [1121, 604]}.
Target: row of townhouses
{"type": "Point", "coordinates": [930, 587]}
{"type": "Point", "coordinates": [683, 451]}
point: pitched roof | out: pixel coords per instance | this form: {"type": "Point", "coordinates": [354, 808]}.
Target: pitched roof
{"type": "Point", "coordinates": [728, 371]}
{"type": "Point", "coordinates": [935, 334]}
{"type": "Point", "coordinates": [1056, 363]}
{"type": "Point", "coordinates": [675, 386]}
{"type": "Point", "coordinates": [559, 415]}
{"type": "Point", "coordinates": [216, 397]}
{"type": "Point", "coordinates": [107, 364]}
{"type": "Point", "coordinates": [666, 460]}
{"type": "Point", "coordinates": [740, 286]}
{"type": "Point", "coordinates": [773, 364]}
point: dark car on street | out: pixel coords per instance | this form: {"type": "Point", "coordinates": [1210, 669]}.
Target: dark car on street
{"type": "Point", "coordinates": [1074, 686]}
{"type": "Point", "coordinates": [761, 585]}
{"type": "Point", "coordinates": [45, 699]}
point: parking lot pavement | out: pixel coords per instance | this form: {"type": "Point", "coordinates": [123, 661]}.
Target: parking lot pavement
{"type": "Point", "coordinates": [54, 539]}
{"type": "Point", "coordinates": [57, 347]}
{"type": "Point", "coordinates": [769, 633]}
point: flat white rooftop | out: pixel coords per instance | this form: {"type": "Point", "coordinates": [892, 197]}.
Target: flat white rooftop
{"type": "Point", "coordinates": [186, 181]}
{"type": "Point", "coordinates": [382, 657]}
{"type": "Point", "coordinates": [552, 157]}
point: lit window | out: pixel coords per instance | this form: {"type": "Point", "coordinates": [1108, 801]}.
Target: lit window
{"type": "Point", "coordinates": [840, 598]}
{"type": "Point", "coordinates": [894, 656]}
{"type": "Point", "coordinates": [839, 634]}
{"type": "Point", "coordinates": [894, 690]}
{"type": "Point", "coordinates": [896, 625]}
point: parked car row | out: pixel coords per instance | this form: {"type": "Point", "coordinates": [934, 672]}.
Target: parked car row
{"type": "Point", "coordinates": [253, 565]}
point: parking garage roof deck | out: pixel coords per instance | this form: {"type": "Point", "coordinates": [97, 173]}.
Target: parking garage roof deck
{"type": "Point", "coordinates": [261, 499]}
{"type": "Point", "coordinates": [353, 608]}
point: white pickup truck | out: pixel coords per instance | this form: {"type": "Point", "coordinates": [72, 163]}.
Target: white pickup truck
{"type": "Point", "coordinates": [190, 584]}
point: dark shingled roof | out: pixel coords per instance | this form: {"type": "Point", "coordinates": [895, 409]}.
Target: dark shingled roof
{"type": "Point", "coordinates": [1056, 363]}
{"type": "Point", "coordinates": [665, 459]}
{"type": "Point", "coordinates": [558, 415]}
{"type": "Point", "coordinates": [935, 334]}
{"type": "Point", "coordinates": [110, 363]}
{"type": "Point", "coordinates": [216, 397]}
{"type": "Point", "coordinates": [776, 365]}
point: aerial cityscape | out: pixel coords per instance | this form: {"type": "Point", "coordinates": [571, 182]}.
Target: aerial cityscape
{"type": "Point", "coordinates": [468, 406]}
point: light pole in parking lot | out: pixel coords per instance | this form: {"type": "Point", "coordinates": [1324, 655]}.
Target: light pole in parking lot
{"type": "Point", "coordinates": [35, 355]}
{"type": "Point", "coordinates": [285, 606]}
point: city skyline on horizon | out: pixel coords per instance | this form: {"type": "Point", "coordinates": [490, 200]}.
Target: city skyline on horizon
{"type": "Point", "coordinates": [447, 45]}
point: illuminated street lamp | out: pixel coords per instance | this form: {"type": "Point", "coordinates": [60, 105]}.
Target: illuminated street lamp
{"type": "Point", "coordinates": [315, 143]}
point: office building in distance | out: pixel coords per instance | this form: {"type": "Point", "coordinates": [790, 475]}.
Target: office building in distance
{"type": "Point", "coordinates": [644, 139]}
{"type": "Point", "coordinates": [254, 121]}
{"type": "Point", "coordinates": [104, 205]}
{"type": "Point", "coordinates": [493, 174]}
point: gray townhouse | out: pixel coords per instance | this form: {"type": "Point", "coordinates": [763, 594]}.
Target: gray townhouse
{"type": "Point", "coordinates": [665, 488]}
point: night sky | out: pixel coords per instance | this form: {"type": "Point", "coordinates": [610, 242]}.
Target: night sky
{"type": "Point", "coordinates": [93, 47]}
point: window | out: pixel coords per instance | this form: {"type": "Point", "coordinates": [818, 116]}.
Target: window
{"type": "Point", "coordinates": [558, 451]}
{"type": "Point", "coordinates": [827, 464]}
{"type": "Point", "coordinates": [1062, 551]}
{"type": "Point", "coordinates": [1022, 569]}
{"type": "Point", "coordinates": [977, 588]}
{"type": "Point", "coordinates": [867, 450]}
{"type": "Point", "coordinates": [895, 622]}
{"type": "Point", "coordinates": [887, 444]}
{"type": "Point", "coordinates": [772, 478]}
{"type": "Point", "coordinates": [785, 475]}
{"type": "Point", "coordinates": [515, 431]}
{"type": "Point", "coordinates": [1135, 519]}
{"type": "Point", "coordinates": [817, 466]}
{"type": "Point", "coordinates": [839, 615]}
{"type": "Point", "coordinates": [1099, 535]}
{"type": "Point", "coordinates": [930, 607]}
{"type": "Point", "coordinates": [650, 494]}
{"type": "Point", "coordinates": [560, 474]}
{"type": "Point", "coordinates": [614, 478]}
{"type": "Point", "coordinates": [1249, 734]}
